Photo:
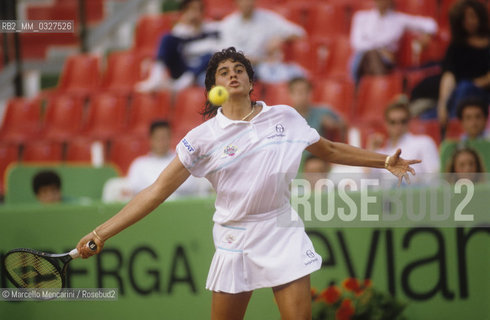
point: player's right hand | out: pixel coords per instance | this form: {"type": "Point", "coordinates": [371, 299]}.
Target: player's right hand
{"type": "Point", "coordinates": [84, 251]}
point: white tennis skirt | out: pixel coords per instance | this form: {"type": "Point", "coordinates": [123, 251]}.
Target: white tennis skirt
{"type": "Point", "coordinates": [259, 254]}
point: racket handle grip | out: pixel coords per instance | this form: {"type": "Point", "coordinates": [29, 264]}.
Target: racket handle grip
{"type": "Point", "coordinates": [91, 245]}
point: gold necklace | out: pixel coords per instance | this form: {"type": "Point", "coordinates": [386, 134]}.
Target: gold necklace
{"type": "Point", "coordinates": [248, 115]}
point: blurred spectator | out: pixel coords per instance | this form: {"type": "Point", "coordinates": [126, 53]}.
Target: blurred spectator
{"type": "Point", "coordinates": [315, 169]}
{"type": "Point", "coordinates": [324, 120]}
{"type": "Point", "coordinates": [397, 118]}
{"type": "Point", "coordinates": [466, 67]}
{"type": "Point", "coordinates": [473, 114]}
{"type": "Point", "coordinates": [466, 163]}
{"type": "Point", "coordinates": [273, 69]}
{"type": "Point", "coordinates": [250, 29]}
{"type": "Point", "coordinates": [145, 170]}
{"type": "Point", "coordinates": [46, 185]}
{"type": "Point", "coordinates": [375, 36]}
{"type": "Point", "coordinates": [184, 53]}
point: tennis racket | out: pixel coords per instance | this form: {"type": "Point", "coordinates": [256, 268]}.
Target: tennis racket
{"type": "Point", "coordinates": [28, 268]}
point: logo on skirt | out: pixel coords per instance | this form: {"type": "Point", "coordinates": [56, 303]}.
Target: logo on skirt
{"type": "Point", "coordinates": [229, 238]}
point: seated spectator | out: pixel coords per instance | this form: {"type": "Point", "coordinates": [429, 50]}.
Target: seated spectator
{"type": "Point", "coordinates": [46, 185]}
{"type": "Point", "coordinates": [397, 118]}
{"type": "Point", "coordinates": [473, 114]}
{"type": "Point", "coordinates": [466, 66]}
{"type": "Point", "coordinates": [184, 53]}
{"type": "Point", "coordinates": [250, 29]}
{"type": "Point", "coordinates": [323, 119]}
{"type": "Point", "coordinates": [273, 69]}
{"type": "Point", "coordinates": [375, 36]}
{"type": "Point", "coordinates": [315, 169]}
{"type": "Point", "coordinates": [466, 164]}
{"type": "Point", "coordinates": [145, 170]}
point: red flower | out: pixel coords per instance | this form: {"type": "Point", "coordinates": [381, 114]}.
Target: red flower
{"type": "Point", "coordinates": [367, 283]}
{"type": "Point", "coordinates": [345, 311]}
{"type": "Point", "coordinates": [330, 295]}
{"type": "Point", "coordinates": [352, 284]}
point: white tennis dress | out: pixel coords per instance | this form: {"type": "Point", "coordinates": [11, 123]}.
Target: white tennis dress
{"type": "Point", "coordinates": [250, 165]}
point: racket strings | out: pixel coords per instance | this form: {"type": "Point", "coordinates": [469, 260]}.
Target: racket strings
{"type": "Point", "coordinates": [29, 270]}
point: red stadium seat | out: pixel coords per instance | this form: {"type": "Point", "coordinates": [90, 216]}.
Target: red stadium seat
{"type": "Point", "coordinates": [454, 129]}
{"type": "Point", "coordinates": [22, 120]}
{"type": "Point", "coordinates": [436, 48]}
{"type": "Point", "coordinates": [67, 10]}
{"type": "Point", "coordinates": [427, 127]}
{"type": "Point", "coordinates": [9, 153]}
{"type": "Point", "coordinates": [369, 127]}
{"type": "Point", "coordinates": [63, 119]}
{"type": "Point", "coordinates": [35, 45]}
{"type": "Point", "coordinates": [336, 93]}
{"type": "Point", "coordinates": [80, 75]}
{"type": "Point", "coordinates": [444, 8]}
{"type": "Point", "coordinates": [375, 94]}
{"type": "Point", "coordinates": [150, 29]}
{"type": "Point", "coordinates": [80, 150]}
{"type": "Point", "coordinates": [411, 54]}
{"type": "Point", "coordinates": [43, 151]}
{"type": "Point", "coordinates": [323, 57]}
{"type": "Point", "coordinates": [188, 104]}
{"type": "Point", "coordinates": [277, 93]}
{"type": "Point", "coordinates": [413, 78]}
{"type": "Point", "coordinates": [299, 12]}
{"type": "Point", "coordinates": [338, 54]}
{"type": "Point", "coordinates": [303, 52]}
{"type": "Point", "coordinates": [428, 8]}
{"type": "Point", "coordinates": [218, 9]}
{"type": "Point", "coordinates": [146, 108]}
{"type": "Point", "coordinates": [125, 149]}
{"type": "Point", "coordinates": [123, 72]}
{"type": "Point", "coordinates": [106, 116]}
{"type": "Point", "coordinates": [328, 20]}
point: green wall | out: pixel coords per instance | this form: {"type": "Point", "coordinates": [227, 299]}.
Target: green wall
{"type": "Point", "coordinates": [160, 264]}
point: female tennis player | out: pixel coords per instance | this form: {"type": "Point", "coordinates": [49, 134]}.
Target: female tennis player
{"type": "Point", "coordinates": [249, 152]}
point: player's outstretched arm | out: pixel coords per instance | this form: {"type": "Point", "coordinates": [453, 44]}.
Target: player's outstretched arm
{"type": "Point", "coordinates": [142, 204]}
{"type": "Point", "coordinates": [345, 154]}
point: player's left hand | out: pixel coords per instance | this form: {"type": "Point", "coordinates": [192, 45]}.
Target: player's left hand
{"type": "Point", "coordinates": [401, 167]}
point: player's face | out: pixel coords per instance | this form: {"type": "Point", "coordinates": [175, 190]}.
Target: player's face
{"type": "Point", "coordinates": [234, 77]}
{"type": "Point", "coordinates": [473, 121]}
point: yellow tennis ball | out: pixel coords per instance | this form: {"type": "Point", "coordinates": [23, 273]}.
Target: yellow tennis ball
{"type": "Point", "coordinates": [218, 95]}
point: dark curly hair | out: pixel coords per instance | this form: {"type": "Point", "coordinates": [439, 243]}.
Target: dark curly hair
{"type": "Point", "coordinates": [456, 19]}
{"type": "Point", "coordinates": [232, 54]}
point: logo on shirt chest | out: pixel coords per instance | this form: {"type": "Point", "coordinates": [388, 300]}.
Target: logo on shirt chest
{"type": "Point", "coordinates": [279, 132]}
{"type": "Point", "coordinates": [230, 150]}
